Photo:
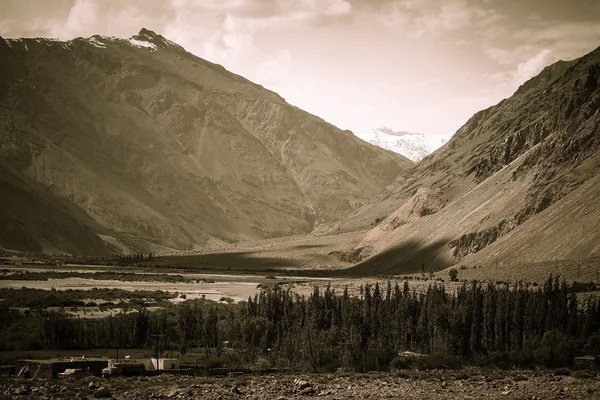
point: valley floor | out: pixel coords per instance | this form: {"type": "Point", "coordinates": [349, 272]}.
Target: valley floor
{"type": "Point", "coordinates": [315, 257]}
{"type": "Point", "coordinates": [471, 383]}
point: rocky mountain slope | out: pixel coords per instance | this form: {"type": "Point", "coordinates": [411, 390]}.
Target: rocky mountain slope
{"type": "Point", "coordinates": [414, 146]}
{"type": "Point", "coordinates": [30, 210]}
{"type": "Point", "coordinates": [163, 150]}
{"type": "Point", "coordinates": [516, 183]}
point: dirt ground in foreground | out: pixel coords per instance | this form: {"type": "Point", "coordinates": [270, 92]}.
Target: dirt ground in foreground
{"type": "Point", "coordinates": [464, 384]}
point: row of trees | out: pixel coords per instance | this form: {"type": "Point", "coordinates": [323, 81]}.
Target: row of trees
{"type": "Point", "coordinates": [548, 325]}
{"type": "Point", "coordinates": [134, 257]}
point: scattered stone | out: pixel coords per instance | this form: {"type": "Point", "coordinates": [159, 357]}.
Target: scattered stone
{"type": "Point", "coordinates": [307, 391]}
{"type": "Point", "coordinates": [301, 384]}
{"type": "Point", "coordinates": [23, 390]}
{"type": "Point", "coordinates": [102, 393]}
{"type": "Point", "coordinates": [424, 385]}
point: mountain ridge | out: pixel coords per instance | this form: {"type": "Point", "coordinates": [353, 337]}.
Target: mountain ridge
{"type": "Point", "coordinates": [500, 178]}
{"type": "Point", "coordinates": [167, 151]}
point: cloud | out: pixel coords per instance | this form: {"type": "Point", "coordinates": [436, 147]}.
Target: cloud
{"type": "Point", "coordinates": [532, 67]}
{"type": "Point", "coordinates": [432, 18]}
{"type": "Point", "coordinates": [505, 83]}
{"type": "Point", "coordinates": [353, 62]}
{"type": "Point", "coordinates": [228, 37]}
{"type": "Point", "coordinates": [222, 31]}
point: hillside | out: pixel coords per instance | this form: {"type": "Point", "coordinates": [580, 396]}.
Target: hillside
{"type": "Point", "coordinates": [30, 210]}
{"type": "Point", "coordinates": [517, 183]}
{"type": "Point", "coordinates": [163, 150]}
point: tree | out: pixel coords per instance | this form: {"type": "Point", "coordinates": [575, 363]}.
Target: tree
{"type": "Point", "coordinates": [593, 345]}
{"type": "Point", "coordinates": [453, 273]}
{"type": "Point", "coordinates": [556, 350]}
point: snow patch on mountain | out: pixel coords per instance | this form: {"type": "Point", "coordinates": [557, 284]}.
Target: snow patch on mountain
{"type": "Point", "coordinates": [414, 146]}
{"type": "Point", "coordinates": [96, 43]}
{"type": "Point", "coordinates": [142, 44]}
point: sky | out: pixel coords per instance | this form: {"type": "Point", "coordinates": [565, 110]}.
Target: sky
{"type": "Point", "coordinates": [412, 65]}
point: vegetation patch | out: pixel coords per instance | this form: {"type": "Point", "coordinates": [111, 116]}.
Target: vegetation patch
{"type": "Point", "coordinates": [101, 275]}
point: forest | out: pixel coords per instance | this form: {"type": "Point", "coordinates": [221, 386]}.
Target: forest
{"type": "Point", "coordinates": [479, 323]}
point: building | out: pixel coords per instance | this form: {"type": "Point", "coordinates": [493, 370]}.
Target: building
{"type": "Point", "coordinates": [160, 364]}
{"type": "Point", "coordinates": [52, 367]}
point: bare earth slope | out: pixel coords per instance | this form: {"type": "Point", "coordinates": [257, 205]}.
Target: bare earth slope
{"type": "Point", "coordinates": [30, 210]}
{"type": "Point", "coordinates": [518, 182]}
{"type": "Point", "coordinates": [164, 150]}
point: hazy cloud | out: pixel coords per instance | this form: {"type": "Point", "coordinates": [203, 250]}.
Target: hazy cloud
{"type": "Point", "coordinates": [356, 63]}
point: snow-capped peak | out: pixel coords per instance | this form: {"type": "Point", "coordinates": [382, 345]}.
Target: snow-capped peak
{"type": "Point", "coordinates": [413, 146]}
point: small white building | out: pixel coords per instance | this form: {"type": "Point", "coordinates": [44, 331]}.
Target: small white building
{"type": "Point", "coordinates": [147, 362]}
{"type": "Point", "coordinates": [165, 363]}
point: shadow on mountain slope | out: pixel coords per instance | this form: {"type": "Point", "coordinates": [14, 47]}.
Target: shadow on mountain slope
{"type": "Point", "coordinates": [239, 261]}
{"type": "Point", "coordinates": [35, 219]}
{"type": "Point", "coordinates": [309, 246]}
{"type": "Point", "coordinates": [409, 257]}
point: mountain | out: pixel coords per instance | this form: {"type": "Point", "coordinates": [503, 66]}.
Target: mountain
{"type": "Point", "coordinates": [516, 185]}
{"type": "Point", "coordinates": [151, 148]}
{"type": "Point", "coordinates": [414, 146]}
{"type": "Point", "coordinates": [34, 219]}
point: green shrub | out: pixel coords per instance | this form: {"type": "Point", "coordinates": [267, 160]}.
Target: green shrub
{"type": "Point", "coordinates": [438, 361]}
{"type": "Point", "coordinates": [453, 273]}
{"type": "Point", "coordinates": [562, 372]}
{"type": "Point", "coordinates": [524, 358]}
{"type": "Point", "coordinates": [585, 374]}
{"type": "Point", "coordinates": [556, 350]}
{"type": "Point", "coordinates": [593, 345]}
{"type": "Point", "coordinates": [399, 363]}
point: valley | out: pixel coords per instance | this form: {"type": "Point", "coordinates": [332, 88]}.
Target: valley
{"type": "Point", "coordinates": [200, 165]}
{"type": "Point", "coordinates": [152, 199]}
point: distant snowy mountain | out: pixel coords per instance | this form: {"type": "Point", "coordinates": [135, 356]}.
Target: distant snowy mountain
{"type": "Point", "coordinates": [414, 146]}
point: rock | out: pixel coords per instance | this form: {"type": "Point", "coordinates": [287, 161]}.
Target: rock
{"type": "Point", "coordinates": [301, 384]}
{"type": "Point", "coordinates": [102, 393]}
{"type": "Point", "coordinates": [307, 390]}
{"type": "Point", "coordinates": [92, 386]}
{"type": "Point", "coordinates": [327, 392]}
{"type": "Point", "coordinates": [23, 390]}
{"type": "Point", "coordinates": [303, 387]}
{"type": "Point", "coordinates": [506, 392]}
